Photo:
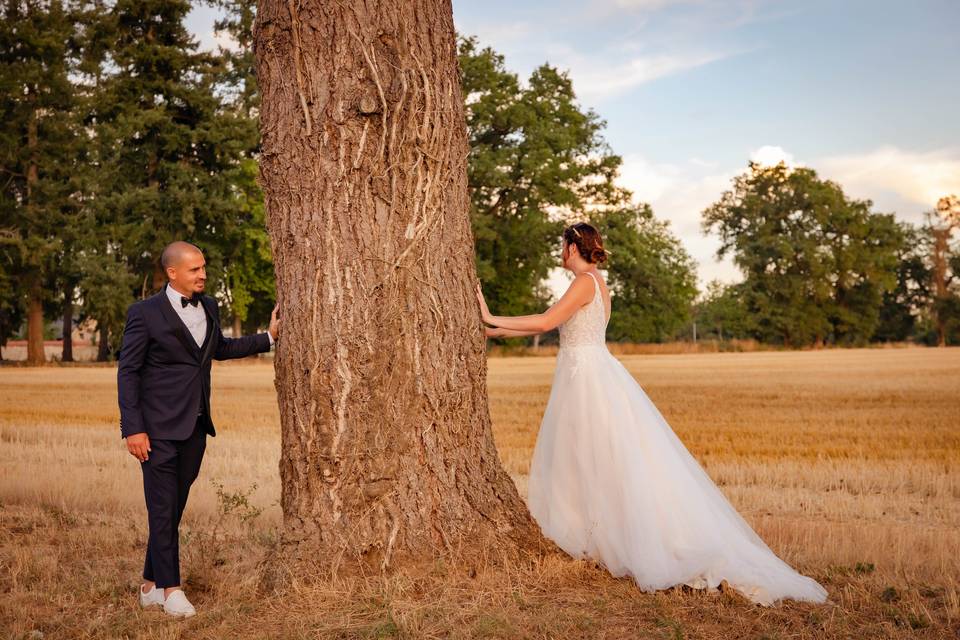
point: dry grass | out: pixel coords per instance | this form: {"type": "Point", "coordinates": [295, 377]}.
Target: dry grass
{"type": "Point", "coordinates": [845, 461]}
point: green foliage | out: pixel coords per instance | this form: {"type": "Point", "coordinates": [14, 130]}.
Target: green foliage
{"type": "Point", "coordinates": [42, 153]}
{"type": "Point", "coordinates": [651, 277]}
{"type": "Point", "coordinates": [536, 159]}
{"type": "Point", "coordinates": [105, 290]}
{"type": "Point", "coordinates": [243, 270]}
{"type": "Point", "coordinates": [120, 136]}
{"type": "Point", "coordinates": [902, 306]}
{"type": "Point", "coordinates": [722, 313]}
{"type": "Point", "coordinates": [168, 149]}
{"type": "Point", "coordinates": [816, 264]}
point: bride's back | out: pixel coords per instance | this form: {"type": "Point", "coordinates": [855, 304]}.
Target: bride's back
{"type": "Point", "coordinates": [588, 326]}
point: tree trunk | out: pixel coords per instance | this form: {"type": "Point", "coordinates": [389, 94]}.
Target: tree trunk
{"type": "Point", "coordinates": [387, 449]}
{"type": "Point", "coordinates": [237, 326]}
{"type": "Point", "coordinates": [103, 343]}
{"type": "Point", "coordinates": [67, 355]}
{"type": "Point", "coordinates": [35, 352]}
{"type": "Point", "coordinates": [941, 237]}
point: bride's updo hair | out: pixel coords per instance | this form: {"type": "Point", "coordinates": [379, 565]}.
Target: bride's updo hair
{"type": "Point", "coordinates": [588, 242]}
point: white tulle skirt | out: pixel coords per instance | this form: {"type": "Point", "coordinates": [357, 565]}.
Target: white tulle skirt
{"type": "Point", "coordinates": [611, 482]}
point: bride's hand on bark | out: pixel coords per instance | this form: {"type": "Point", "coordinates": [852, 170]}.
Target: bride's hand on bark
{"type": "Point", "coordinates": [485, 314]}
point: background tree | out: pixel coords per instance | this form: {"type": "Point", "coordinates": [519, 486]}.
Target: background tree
{"type": "Point", "coordinates": [245, 263]}
{"type": "Point", "coordinates": [863, 252]}
{"type": "Point", "coordinates": [536, 160]}
{"type": "Point", "coordinates": [11, 311]}
{"type": "Point", "coordinates": [39, 147]}
{"type": "Point", "coordinates": [652, 279]}
{"type": "Point", "coordinates": [946, 307]}
{"type": "Point", "coordinates": [720, 313]}
{"type": "Point", "coordinates": [105, 290]}
{"type": "Point", "coordinates": [815, 262]}
{"type": "Point", "coordinates": [904, 305]}
{"type": "Point", "coordinates": [169, 150]}
{"type": "Point", "coordinates": [387, 450]}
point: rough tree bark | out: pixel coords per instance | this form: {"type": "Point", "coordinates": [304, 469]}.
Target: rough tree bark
{"type": "Point", "coordinates": [35, 352]}
{"type": "Point", "coordinates": [387, 449]}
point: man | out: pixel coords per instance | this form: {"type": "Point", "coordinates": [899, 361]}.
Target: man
{"type": "Point", "coordinates": [163, 384]}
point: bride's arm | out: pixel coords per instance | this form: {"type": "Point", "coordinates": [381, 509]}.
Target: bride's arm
{"type": "Point", "coordinates": [498, 332]}
{"type": "Point", "coordinates": [578, 294]}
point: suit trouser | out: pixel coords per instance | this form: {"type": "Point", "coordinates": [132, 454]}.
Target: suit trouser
{"type": "Point", "coordinates": [170, 469]}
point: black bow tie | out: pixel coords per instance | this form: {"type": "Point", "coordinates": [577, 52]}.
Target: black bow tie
{"type": "Point", "coordinates": [195, 300]}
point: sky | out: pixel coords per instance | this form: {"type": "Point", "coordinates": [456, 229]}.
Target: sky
{"type": "Point", "coordinates": [866, 92]}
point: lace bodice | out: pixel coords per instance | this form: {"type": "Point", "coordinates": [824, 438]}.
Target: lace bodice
{"type": "Point", "coordinates": [588, 326]}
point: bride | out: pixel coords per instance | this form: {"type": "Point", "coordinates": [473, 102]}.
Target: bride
{"type": "Point", "coordinates": [610, 481]}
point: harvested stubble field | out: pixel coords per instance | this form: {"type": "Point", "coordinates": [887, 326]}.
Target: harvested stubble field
{"type": "Point", "coordinates": [845, 461]}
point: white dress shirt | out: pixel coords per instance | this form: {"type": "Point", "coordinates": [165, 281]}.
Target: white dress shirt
{"type": "Point", "coordinates": [194, 316]}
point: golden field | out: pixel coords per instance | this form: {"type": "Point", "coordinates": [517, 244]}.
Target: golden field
{"type": "Point", "coordinates": [844, 461]}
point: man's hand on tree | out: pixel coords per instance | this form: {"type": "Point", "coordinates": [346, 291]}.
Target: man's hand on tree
{"type": "Point", "coordinates": [274, 327]}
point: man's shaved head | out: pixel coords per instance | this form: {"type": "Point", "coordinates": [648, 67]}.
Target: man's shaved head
{"type": "Point", "coordinates": [174, 253]}
{"type": "Point", "coordinates": [184, 266]}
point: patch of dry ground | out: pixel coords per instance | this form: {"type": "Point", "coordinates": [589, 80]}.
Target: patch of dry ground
{"type": "Point", "coordinates": [845, 461]}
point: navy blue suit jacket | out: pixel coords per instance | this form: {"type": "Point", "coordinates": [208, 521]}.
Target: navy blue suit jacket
{"type": "Point", "coordinates": [163, 380]}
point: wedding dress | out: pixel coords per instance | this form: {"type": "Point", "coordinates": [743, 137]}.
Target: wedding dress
{"type": "Point", "coordinates": [611, 482]}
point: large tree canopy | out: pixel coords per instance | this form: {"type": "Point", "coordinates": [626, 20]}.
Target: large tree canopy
{"type": "Point", "coordinates": [815, 263]}
{"type": "Point", "coordinates": [537, 159]}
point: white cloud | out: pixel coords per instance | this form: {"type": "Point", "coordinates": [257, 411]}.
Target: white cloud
{"type": "Point", "coordinates": [908, 182]}
{"type": "Point", "coordinates": [896, 180]}
{"type": "Point", "coordinates": [648, 5]}
{"type": "Point", "coordinates": [597, 78]}
{"type": "Point", "coordinates": [770, 155]}
{"type": "Point", "coordinates": [679, 193]}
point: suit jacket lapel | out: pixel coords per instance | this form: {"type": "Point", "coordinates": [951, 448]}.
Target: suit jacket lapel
{"type": "Point", "coordinates": [179, 329]}
{"type": "Point", "coordinates": [208, 341]}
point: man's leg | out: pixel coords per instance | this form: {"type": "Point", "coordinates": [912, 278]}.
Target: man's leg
{"type": "Point", "coordinates": [148, 569]}
{"type": "Point", "coordinates": [188, 468]}
{"type": "Point", "coordinates": [188, 465]}
{"type": "Point", "coordinates": [160, 488]}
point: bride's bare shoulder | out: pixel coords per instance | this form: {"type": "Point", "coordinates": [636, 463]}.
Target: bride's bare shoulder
{"type": "Point", "coordinates": [580, 287]}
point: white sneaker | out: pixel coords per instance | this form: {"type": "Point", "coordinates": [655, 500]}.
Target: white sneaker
{"type": "Point", "coordinates": [177, 605]}
{"type": "Point", "coordinates": [151, 598]}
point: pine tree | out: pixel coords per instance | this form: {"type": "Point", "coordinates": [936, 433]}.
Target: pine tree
{"type": "Point", "coordinates": [40, 150]}
{"type": "Point", "coordinates": [167, 148]}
